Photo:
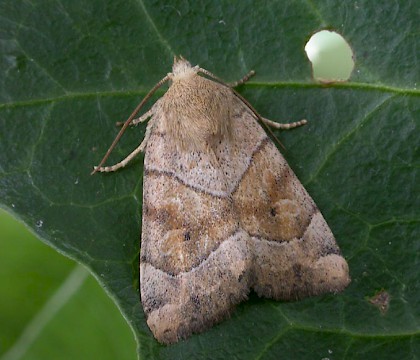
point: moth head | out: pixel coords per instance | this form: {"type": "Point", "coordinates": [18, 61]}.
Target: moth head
{"type": "Point", "coordinates": [182, 69]}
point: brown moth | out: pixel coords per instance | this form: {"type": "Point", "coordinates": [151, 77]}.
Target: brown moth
{"type": "Point", "coordinates": [223, 213]}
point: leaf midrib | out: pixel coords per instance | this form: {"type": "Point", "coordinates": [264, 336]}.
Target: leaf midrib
{"type": "Point", "coordinates": [143, 92]}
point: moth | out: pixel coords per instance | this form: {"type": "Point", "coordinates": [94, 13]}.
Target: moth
{"type": "Point", "coordinates": [223, 213]}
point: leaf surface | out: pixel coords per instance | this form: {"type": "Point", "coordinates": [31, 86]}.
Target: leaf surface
{"type": "Point", "coordinates": [72, 69]}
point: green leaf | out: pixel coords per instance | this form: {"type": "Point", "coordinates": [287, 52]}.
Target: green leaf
{"type": "Point", "coordinates": [45, 297]}
{"type": "Point", "coordinates": [71, 69]}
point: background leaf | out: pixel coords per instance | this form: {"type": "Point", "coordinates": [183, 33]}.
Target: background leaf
{"type": "Point", "coordinates": [51, 308]}
{"type": "Point", "coordinates": [71, 69]}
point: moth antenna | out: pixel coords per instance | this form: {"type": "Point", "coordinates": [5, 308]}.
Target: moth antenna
{"type": "Point", "coordinates": [208, 73]}
{"type": "Point", "coordinates": [275, 137]}
{"type": "Point", "coordinates": [245, 101]}
{"type": "Point", "coordinates": [128, 121]}
{"type": "Point", "coordinates": [259, 117]}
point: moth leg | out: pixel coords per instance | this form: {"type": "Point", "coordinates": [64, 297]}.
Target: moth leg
{"type": "Point", "coordinates": [243, 80]}
{"type": "Point", "coordinates": [231, 85]}
{"type": "Point", "coordinates": [137, 151]}
{"type": "Point", "coordinates": [124, 162]}
{"type": "Point", "coordinates": [139, 120]}
{"type": "Point", "coordinates": [146, 136]}
{"type": "Point", "coordinates": [283, 126]}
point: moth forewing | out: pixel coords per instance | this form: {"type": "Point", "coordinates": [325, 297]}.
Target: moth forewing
{"type": "Point", "coordinates": [223, 213]}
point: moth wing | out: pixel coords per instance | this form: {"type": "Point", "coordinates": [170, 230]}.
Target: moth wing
{"type": "Point", "coordinates": [295, 252]}
{"type": "Point", "coordinates": [216, 223]}
{"type": "Point", "coordinates": [195, 259]}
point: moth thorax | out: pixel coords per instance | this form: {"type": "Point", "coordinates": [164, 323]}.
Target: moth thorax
{"type": "Point", "coordinates": [197, 113]}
